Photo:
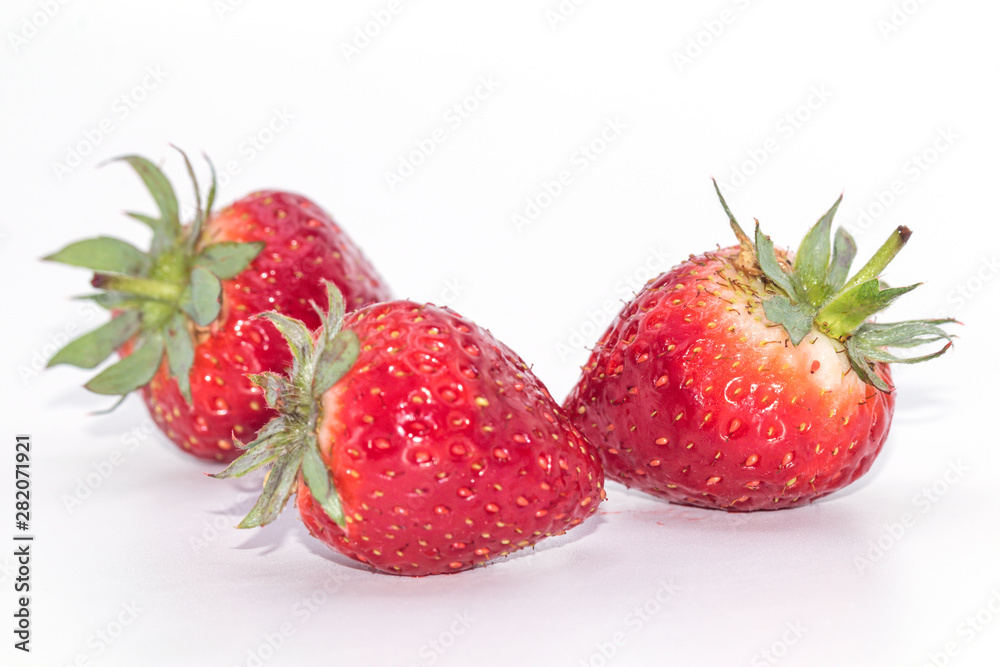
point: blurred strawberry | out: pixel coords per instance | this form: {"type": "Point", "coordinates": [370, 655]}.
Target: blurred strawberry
{"type": "Point", "coordinates": [183, 312]}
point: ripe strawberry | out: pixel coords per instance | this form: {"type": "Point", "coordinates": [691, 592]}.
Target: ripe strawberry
{"type": "Point", "coordinates": [743, 379]}
{"type": "Point", "coordinates": [183, 312]}
{"type": "Point", "coordinates": [417, 442]}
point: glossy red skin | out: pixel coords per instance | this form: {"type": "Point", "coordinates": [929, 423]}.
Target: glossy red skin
{"type": "Point", "coordinates": [679, 406]}
{"type": "Point", "coordinates": [446, 450]}
{"type": "Point", "coordinates": [304, 247]}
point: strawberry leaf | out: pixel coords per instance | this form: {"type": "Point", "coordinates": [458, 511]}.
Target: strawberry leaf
{"type": "Point", "coordinates": [844, 250]}
{"type": "Point", "coordinates": [160, 240]}
{"type": "Point", "coordinates": [797, 319]}
{"type": "Point", "coordinates": [154, 287]}
{"type": "Point", "coordinates": [296, 333]}
{"type": "Point", "coordinates": [180, 354]}
{"type": "Point", "coordinates": [210, 199]}
{"type": "Point", "coordinates": [281, 429]}
{"type": "Point", "coordinates": [903, 334]}
{"type": "Point", "coordinates": [333, 319]}
{"type": "Point", "coordinates": [889, 357]}
{"type": "Point", "coordinates": [92, 348]}
{"type": "Point", "coordinates": [335, 360]}
{"type": "Point", "coordinates": [114, 406]}
{"type": "Point", "coordinates": [278, 488]}
{"type": "Point", "coordinates": [262, 452]}
{"type": "Point", "coordinates": [818, 294]}
{"type": "Point", "coordinates": [747, 260]}
{"type": "Point", "coordinates": [871, 339]}
{"type": "Point", "coordinates": [104, 254]}
{"type": "Point", "coordinates": [770, 266]}
{"type": "Point", "coordinates": [132, 372]}
{"type": "Point", "coordinates": [148, 220]}
{"type": "Point", "coordinates": [168, 228]}
{"type": "Point", "coordinates": [317, 478]}
{"type": "Point", "coordinates": [203, 298]}
{"type": "Point", "coordinates": [273, 385]}
{"type": "Point", "coordinates": [194, 232]}
{"type": "Point", "coordinates": [864, 369]}
{"type": "Point", "coordinates": [228, 258]}
{"type": "Point", "coordinates": [290, 439]}
{"type": "Point", "coordinates": [812, 260]}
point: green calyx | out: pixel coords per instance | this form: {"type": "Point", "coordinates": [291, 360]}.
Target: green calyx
{"type": "Point", "coordinates": [815, 292]}
{"type": "Point", "coordinates": [160, 296]}
{"type": "Point", "coordinates": [288, 443]}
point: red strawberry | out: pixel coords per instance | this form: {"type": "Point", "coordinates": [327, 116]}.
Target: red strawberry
{"type": "Point", "coordinates": [743, 379]}
{"type": "Point", "coordinates": [184, 311]}
{"type": "Point", "coordinates": [417, 442]}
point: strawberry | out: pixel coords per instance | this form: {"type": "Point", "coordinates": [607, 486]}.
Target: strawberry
{"type": "Point", "coordinates": [183, 312]}
{"type": "Point", "coordinates": [417, 443]}
{"type": "Point", "coordinates": [746, 379]}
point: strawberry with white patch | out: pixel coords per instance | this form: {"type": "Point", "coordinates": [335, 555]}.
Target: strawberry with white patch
{"type": "Point", "coordinates": [744, 379]}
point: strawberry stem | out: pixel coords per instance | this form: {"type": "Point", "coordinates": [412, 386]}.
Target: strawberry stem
{"type": "Point", "coordinates": [149, 288]}
{"type": "Point", "coordinates": [880, 259]}
{"type": "Point", "coordinates": [862, 296]}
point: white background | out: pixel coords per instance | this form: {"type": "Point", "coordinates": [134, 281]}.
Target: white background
{"type": "Point", "coordinates": [136, 563]}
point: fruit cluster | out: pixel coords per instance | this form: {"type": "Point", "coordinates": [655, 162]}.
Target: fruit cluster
{"type": "Point", "coordinates": [745, 378]}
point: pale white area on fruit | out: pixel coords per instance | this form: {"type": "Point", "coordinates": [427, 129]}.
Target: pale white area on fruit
{"type": "Point", "coordinates": [329, 423]}
{"type": "Point", "coordinates": [834, 368]}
